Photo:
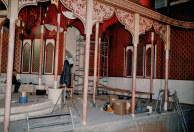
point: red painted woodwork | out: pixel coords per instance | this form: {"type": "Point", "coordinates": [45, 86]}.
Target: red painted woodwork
{"type": "Point", "coordinates": [109, 22]}
{"type": "Point", "coordinates": [79, 25]}
{"type": "Point", "coordinates": [51, 16]}
{"type": "Point", "coordinates": [146, 2]}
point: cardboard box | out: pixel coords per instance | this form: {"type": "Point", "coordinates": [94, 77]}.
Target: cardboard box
{"type": "Point", "coordinates": [128, 106]}
{"type": "Point", "coordinates": [119, 107]}
{"type": "Point", "coordinates": [112, 99]}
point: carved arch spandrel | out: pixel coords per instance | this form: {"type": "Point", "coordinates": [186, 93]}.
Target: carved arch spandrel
{"type": "Point", "coordinates": [161, 30]}
{"type": "Point", "coordinates": [144, 25]}
{"type": "Point", "coordinates": [101, 11]}
{"type": "Point", "coordinates": [78, 7]}
{"type": "Point", "coordinates": [23, 3]}
{"type": "Point", "coordinates": [5, 2]}
{"type": "Point", "coordinates": [127, 19]}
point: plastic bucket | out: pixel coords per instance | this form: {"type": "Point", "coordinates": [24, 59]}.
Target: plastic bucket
{"type": "Point", "coordinates": [138, 108]}
{"type": "Point", "coordinates": [22, 100]}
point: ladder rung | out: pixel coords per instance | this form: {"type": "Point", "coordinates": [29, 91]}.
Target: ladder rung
{"type": "Point", "coordinates": [45, 125]}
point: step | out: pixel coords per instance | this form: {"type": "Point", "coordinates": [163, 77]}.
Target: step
{"type": "Point", "coordinates": [2, 96]}
{"type": "Point", "coordinates": [29, 106]}
{"type": "Point", "coordinates": [20, 116]}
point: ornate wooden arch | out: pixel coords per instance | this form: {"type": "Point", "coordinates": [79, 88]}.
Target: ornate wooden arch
{"type": "Point", "coordinates": [103, 12]}
{"type": "Point", "coordinates": [5, 2]}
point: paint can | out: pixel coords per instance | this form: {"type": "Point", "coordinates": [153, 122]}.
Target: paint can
{"type": "Point", "coordinates": [138, 108]}
{"type": "Point", "coordinates": [22, 100]}
{"type": "Point", "coordinates": [24, 93]}
{"type": "Point", "coordinates": [149, 109]}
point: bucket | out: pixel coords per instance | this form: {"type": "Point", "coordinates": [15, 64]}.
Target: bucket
{"type": "Point", "coordinates": [22, 100]}
{"type": "Point", "coordinates": [138, 108]}
{"type": "Point", "coordinates": [24, 93]}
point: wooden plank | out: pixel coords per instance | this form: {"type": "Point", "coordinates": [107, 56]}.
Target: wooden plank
{"type": "Point", "coordinates": [123, 90]}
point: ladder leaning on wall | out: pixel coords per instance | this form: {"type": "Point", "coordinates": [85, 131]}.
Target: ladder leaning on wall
{"type": "Point", "coordinates": [79, 67]}
{"type": "Point", "coordinates": [180, 112]}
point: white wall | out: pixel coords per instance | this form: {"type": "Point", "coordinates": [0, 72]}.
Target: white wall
{"type": "Point", "coordinates": [71, 36]}
{"type": "Point", "coordinates": [184, 88]}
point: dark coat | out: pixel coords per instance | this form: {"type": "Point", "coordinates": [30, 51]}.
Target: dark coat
{"type": "Point", "coordinates": [14, 80]}
{"type": "Point", "coordinates": [66, 74]}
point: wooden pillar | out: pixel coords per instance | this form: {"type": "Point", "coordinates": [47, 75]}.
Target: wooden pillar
{"type": "Point", "coordinates": [1, 45]}
{"type": "Point", "coordinates": [86, 71]}
{"type": "Point", "coordinates": [9, 74]}
{"type": "Point", "coordinates": [95, 64]}
{"type": "Point", "coordinates": [12, 15]}
{"type": "Point", "coordinates": [41, 53]}
{"type": "Point", "coordinates": [57, 50]}
{"type": "Point", "coordinates": [64, 45]}
{"type": "Point", "coordinates": [152, 65]}
{"type": "Point", "coordinates": [98, 65]}
{"type": "Point", "coordinates": [88, 32]}
{"type": "Point", "coordinates": [167, 48]}
{"type": "Point", "coordinates": [134, 78]}
{"type": "Point", "coordinates": [135, 42]}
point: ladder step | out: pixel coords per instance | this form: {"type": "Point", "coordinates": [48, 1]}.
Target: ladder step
{"type": "Point", "coordinates": [78, 84]}
{"type": "Point", "coordinates": [46, 125]}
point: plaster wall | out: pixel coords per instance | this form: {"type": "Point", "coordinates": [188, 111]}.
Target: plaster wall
{"type": "Point", "coordinates": [184, 88]}
{"type": "Point", "coordinates": [71, 37]}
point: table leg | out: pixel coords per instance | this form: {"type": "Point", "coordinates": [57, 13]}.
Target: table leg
{"type": "Point", "coordinates": [71, 96]}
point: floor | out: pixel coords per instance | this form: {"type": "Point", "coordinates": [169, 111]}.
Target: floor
{"type": "Point", "coordinates": [99, 120]}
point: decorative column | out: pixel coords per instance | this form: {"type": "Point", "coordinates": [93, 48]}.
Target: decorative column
{"type": "Point", "coordinates": [135, 42]}
{"type": "Point", "coordinates": [95, 64]}
{"type": "Point", "coordinates": [57, 50]}
{"type": "Point", "coordinates": [9, 74]}
{"type": "Point", "coordinates": [167, 48]}
{"type": "Point", "coordinates": [98, 67]}
{"type": "Point", "coordinates": [1, 45]}
{"type": "Point", "coordinates": [12, 15]}
{"type": "Point", "coordinates": [41, 53]}
{"type": "Point", "coordinates": [64, 45]}
{"type": "Point", "coordinates": [152, 65]}
{"type": "Point", "coordinates": [88, 32]}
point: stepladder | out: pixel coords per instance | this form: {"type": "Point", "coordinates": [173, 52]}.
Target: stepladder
{"type": "Point", "coordinates": [40, 123]}
{"type": "Point", "coordinates": [179, 111]}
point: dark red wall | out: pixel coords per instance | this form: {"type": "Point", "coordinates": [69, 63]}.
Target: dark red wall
{"type": "Point", "coordinates": [119, 38]}
{"type": "Point", "coordinates": [181, 54]}
{"type": "Point", "coordinates": [4, 52]}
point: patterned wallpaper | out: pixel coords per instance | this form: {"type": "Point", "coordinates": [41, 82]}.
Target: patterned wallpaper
{"type": "Point", "coordinates": [4, 52]}
{"type": "Point", "coordinates": [181, 54]}
{"type": "Point", "coordinates": [60, 55]}
{"type": "Point", "coordinates": [17, 51]}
